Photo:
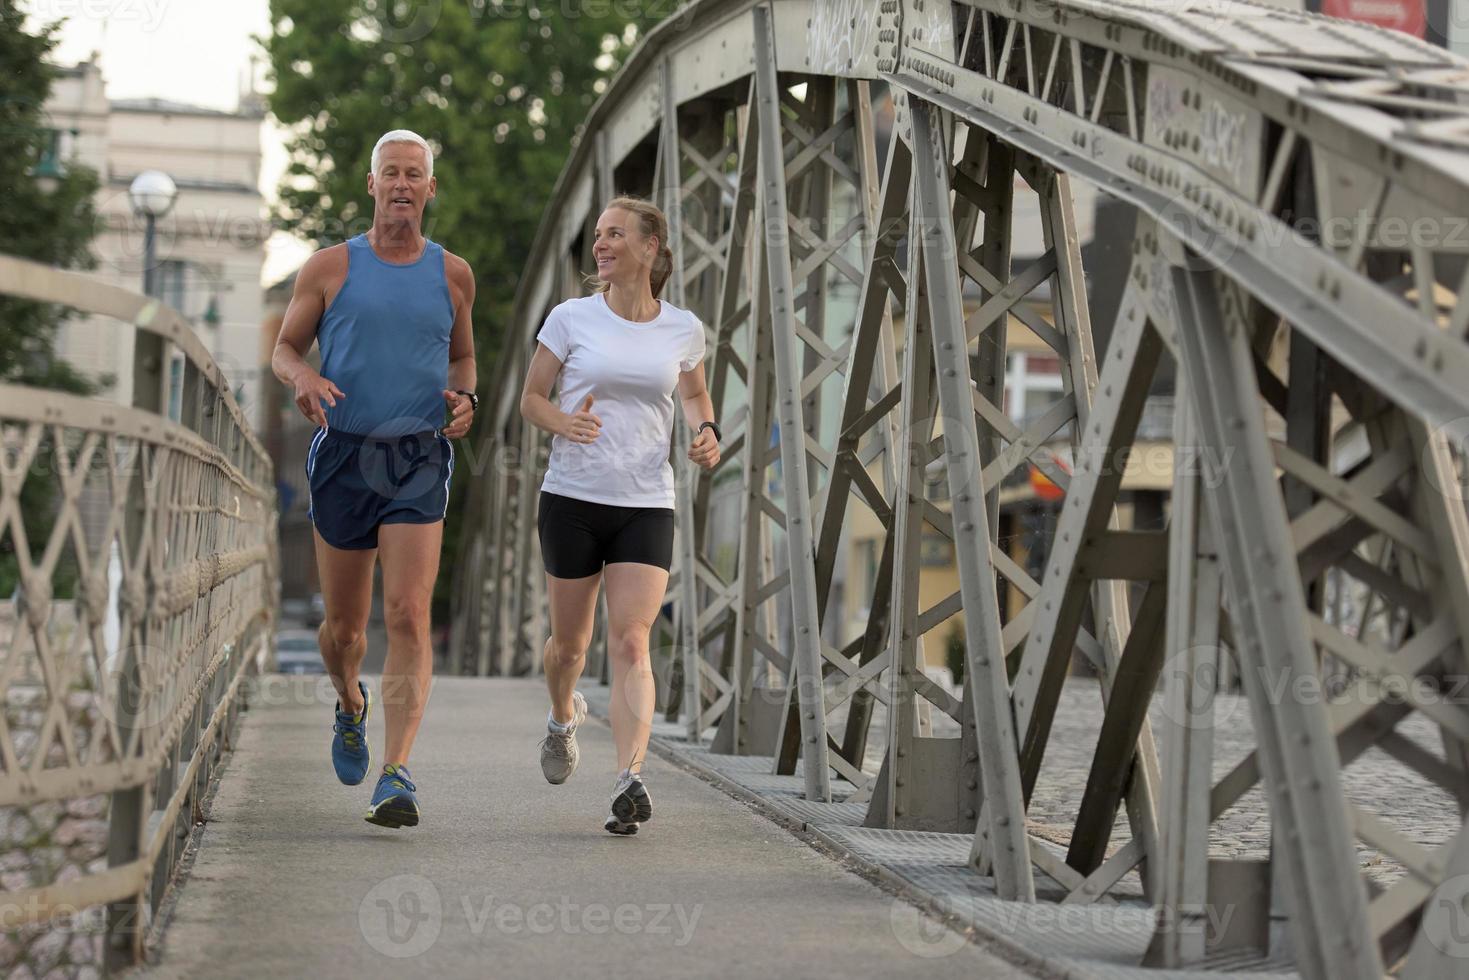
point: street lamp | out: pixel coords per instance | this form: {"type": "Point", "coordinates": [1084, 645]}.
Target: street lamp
{"type": "Point", "coordinates": [152, 194]}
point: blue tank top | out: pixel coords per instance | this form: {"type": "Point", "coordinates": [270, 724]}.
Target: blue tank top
{"type": "Point", "coordinates": [385, 342]}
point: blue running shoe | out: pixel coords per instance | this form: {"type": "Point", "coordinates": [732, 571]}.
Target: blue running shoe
{"type": "Point", "coordinates": [393, 802]}
{"type": "Point", "coordinates": [350, 754]}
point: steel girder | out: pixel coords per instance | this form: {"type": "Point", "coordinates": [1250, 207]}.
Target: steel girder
{"type": "Point", "coordinates": [1300, 255]}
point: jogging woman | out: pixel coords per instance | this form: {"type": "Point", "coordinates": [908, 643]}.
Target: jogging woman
{"type": "Point", "coordinates": [606, 504]}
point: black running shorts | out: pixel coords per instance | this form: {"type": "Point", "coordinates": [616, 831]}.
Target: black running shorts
{"type": "Point", "coordinates": [578, 537]}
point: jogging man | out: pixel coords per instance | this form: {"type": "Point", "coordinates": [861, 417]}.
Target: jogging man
{"type": "Point", "coordinates": [391, 311]}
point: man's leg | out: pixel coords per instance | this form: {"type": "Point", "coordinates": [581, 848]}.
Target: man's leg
{"type": "Point", "coordinates": [573, 612]}
{"type": "Point", "coordinates": [634, 594]}
{"type": "Point", "coordinates": [410, 559]}
{"type": "Point", "coordinates": [346, 591]}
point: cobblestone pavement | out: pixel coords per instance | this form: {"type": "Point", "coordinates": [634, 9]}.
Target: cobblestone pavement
{"type": "Point", "coordinates": [1422, 812]}
{"type": "Point", "coordinates": [1376, 782]}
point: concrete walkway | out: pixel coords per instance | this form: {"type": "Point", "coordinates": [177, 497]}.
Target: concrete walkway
{"type": "Point", "coordinates": [510, 877]}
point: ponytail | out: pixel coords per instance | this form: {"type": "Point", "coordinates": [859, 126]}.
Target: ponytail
{"type": "Point", "coordinates": [662, 268]}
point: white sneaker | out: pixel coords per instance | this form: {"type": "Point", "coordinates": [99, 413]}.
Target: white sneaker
{"type": "Point", "coordinates": [614, 826]}
{"type": "Point", "coordinates": [630, 800]}
{"type": "Point", "coordinates": [559, 754]}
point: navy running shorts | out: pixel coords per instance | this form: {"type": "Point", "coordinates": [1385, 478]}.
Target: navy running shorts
{"type": "Point", "coordinates": [578, 537]}
{"type": "Point", "coordinates": [360, 482]}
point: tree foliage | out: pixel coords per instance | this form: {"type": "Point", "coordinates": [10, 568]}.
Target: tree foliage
{"type": "Point", "coordinates": [498, 88]}
{"type": "Point", "coordinates": [50, 219]}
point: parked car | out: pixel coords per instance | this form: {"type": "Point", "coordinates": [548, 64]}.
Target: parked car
{"type": "Point", "coordinates": [297, 652]}
{"type": "Point", "coordinates": [316, 612]}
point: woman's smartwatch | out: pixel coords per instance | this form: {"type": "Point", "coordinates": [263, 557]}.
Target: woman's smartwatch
{"type": "Point", "coordinates": [473, 398]}
{"type": "Point", "coordinates": [718, 436]}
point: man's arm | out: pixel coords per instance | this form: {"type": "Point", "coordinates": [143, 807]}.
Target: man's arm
{"type": "Point", "coordinates": [461, 340]}
{"type": "Point", "coordinates": [462, 374]}
{"type": "Point", "coordinates": [298, 333]}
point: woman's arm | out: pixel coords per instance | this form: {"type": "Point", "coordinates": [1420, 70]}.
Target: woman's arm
{"type": "Point", "coordinates": [698, 408]}
{"type": "Point", "coordinates": [536, 407]}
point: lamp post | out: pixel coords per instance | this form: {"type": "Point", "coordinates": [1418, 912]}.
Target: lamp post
{"type": "Point", "coordinates": [152, 194]}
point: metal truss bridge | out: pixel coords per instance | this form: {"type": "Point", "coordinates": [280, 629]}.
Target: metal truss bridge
{"type": "Point", "coordinates": [1300, 189]}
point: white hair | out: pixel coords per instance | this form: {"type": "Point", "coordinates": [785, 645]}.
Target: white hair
{"type": "Point", "coordinates": [403, 136]}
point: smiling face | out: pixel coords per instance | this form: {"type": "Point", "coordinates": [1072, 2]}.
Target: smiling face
{"type": "Point", "coordinates": [401, 187]}
{"type": "Point", "coordinates": [622, 251]}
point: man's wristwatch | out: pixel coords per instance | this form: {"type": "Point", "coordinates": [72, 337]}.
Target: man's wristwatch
{"type": "Point", "coordinates": [473, 398]}
{"type": "Point", "coordinates": [718, 436]}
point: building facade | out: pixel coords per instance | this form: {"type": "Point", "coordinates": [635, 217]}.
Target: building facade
{"type": "Point", "coordinates": [209, 249]}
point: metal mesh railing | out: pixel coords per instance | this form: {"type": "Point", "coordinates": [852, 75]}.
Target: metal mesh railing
{"type": "Point", "coordinates": [137, 562]}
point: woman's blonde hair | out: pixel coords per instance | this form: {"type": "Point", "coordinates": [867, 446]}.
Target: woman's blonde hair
{"type": "Point", "coordinates": [653, 224]}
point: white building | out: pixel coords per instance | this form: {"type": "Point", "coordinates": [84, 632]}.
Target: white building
{"type": "Point", "coordinates": [209, 249]}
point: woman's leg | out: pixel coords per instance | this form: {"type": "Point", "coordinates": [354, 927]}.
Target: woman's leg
{"type": "Point", "coordinates": [573, 612]}
{"type": "Point", "coordinates": [634, 594]}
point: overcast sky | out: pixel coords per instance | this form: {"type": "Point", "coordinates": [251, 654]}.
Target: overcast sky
{"type": "Point", "coordinates": [195, 51]}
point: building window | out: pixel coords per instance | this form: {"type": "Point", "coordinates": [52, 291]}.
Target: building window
{"type": "Point", "coordinates": [176, 386]}
{"type": "Point", "coordinates": [868, 551]}
{"type": "Point", "coordinates": [171, 284]}
{"type": "Point", "coordinates": [51, 154]}
{"type": "Point", "coordinates": [1033, 383]}
{"type": "Point", "coordinates": [935, 550]}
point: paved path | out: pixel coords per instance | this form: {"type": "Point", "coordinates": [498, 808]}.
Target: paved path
{"type": "Point", "coordinates": [510, 877]}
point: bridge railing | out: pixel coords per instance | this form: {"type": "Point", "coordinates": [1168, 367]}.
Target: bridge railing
{"type": "Point", "coordinates": [137, 571]}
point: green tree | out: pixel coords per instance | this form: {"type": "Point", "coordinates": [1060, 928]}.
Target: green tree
{"type": "Point", "coordinates": [50, 219]}
{"type": "Point", "coordinates": [499, 88]}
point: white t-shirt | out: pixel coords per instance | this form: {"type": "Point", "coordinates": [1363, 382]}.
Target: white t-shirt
{"type": "Point", "coordinates": [631, 371]}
